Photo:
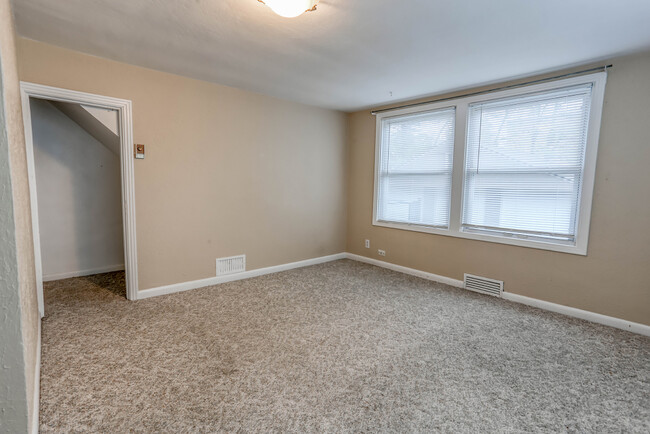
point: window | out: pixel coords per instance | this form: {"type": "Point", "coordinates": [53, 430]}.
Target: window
{"type": "Point", "coordinates": [523, 165]}
{"type": "Point", "coordinates": [523, 169]}
{"type": "Point", "coordinates": [415, 169]}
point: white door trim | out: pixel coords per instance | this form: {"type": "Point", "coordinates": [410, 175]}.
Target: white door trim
{"type": "Point", "coordinates": [123, 107]}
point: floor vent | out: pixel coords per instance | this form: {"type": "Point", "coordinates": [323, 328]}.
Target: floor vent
{"type": "Point", "coordinates": [231, 265]}
{"type": "Point", "coordinates": [484, 285]}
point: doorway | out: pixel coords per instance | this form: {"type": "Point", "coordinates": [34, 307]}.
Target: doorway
{"type": "Point", "coordinates": [106, 124]}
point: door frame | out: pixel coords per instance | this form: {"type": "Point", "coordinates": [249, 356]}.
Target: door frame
{"type": "Point", "coordinates": [123, 107]}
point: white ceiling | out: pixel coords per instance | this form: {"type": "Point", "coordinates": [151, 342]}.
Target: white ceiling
{"type": "Point", "coordinates": [349, 54]}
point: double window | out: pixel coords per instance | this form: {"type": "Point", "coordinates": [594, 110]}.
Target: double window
{"type": "Point", "coordinates": [514, 167]}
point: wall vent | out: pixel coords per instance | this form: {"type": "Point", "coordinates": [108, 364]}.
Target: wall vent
{"type": "Point", "coordinates": [231, 265]}
{"type": "Point", "coordinates": [484, 285]}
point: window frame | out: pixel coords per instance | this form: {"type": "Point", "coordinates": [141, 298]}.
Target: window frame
{"type": "Point", "coordinates": [597, 80]}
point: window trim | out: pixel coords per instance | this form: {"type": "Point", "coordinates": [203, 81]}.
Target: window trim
{"type": "Point", "coordinates": [598, 81]}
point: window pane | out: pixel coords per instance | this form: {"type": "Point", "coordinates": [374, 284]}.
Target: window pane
{"type": "Point", "coordinates": [417, 199]}
{"type": "Point", "coordinates": [524, 163]}
{"type": "Point", "coordinates": [416, 156]}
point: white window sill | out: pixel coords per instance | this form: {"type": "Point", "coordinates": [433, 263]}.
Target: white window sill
{"type": "Point", "coordinates": [540, 245]}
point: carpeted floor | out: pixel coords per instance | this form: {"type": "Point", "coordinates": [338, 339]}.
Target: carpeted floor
{"type": "Point", "coordinates": [338, 347]}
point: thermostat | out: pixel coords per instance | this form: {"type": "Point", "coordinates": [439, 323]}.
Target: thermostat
{"type": "Point", "coordinates": [139, 151]}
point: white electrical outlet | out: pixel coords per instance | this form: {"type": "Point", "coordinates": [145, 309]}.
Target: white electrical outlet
{"type": "Point", "coordinates": [367, 244]}
{"type": "Point", "coordinates": [381, 252]}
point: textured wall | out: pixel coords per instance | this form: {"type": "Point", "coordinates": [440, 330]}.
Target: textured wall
{"type": "Point", "coordinates": [79, 196]}
{"type": "Point", "coordinates": [226, 171]}
{"type": "Point", "coordinates": [13, 390]}
{"type": "Point", "coordinates": [611, 280]}
{"type": "Point", "coordinates": [19, 310]}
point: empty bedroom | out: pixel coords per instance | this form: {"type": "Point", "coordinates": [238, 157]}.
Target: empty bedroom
{"type": "Point", "coordinates": [324, 216]}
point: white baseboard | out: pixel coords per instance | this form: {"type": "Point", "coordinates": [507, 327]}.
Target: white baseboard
{"type": "Point", "coordinates": [37, 383]}
{"type": "Point", "coordinates": [545, 305]}
{"type": "Point", "coordinates": [81, 273]}
{"type": "Point", "coordinates": [558, 308]}
{"type": "Point", "coordinates": [406, 270]}
{"type": "Point", "coordinates": [185, 286]}
{"type": "Point", "coordinates": [579, 313]}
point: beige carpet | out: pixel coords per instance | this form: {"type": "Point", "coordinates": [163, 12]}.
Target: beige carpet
{"type": "Point", "coordinates": [338, 347]}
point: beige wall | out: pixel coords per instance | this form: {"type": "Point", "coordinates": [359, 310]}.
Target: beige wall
{"type": "Point", "coordinates": [226, 171]}
{"type": "Point", "coordinates": [612, 279]}
{"type": "Point", "coordinates": [229, 171]}
{"type": "Point", "coordinates": [19, 311]}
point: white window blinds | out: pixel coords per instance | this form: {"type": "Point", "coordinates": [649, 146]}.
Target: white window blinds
{"type": "Point", "coordinates": [524, 165]}
{"type": "Point", "coordinates": [414, 179]}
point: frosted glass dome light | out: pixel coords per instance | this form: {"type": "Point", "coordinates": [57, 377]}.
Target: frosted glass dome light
{"type": "Point", "coordinates": [290, 8]}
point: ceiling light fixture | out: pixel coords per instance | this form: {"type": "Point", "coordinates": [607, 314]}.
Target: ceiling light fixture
{"type": "Point", "coordinates": [290, 8]}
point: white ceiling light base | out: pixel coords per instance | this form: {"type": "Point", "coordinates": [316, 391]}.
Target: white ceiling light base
{"type": "Point", "coordinates": [290, 8]}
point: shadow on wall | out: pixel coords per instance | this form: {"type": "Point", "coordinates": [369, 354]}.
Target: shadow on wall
{"type": "Point", "coordinates": [79, 196]}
